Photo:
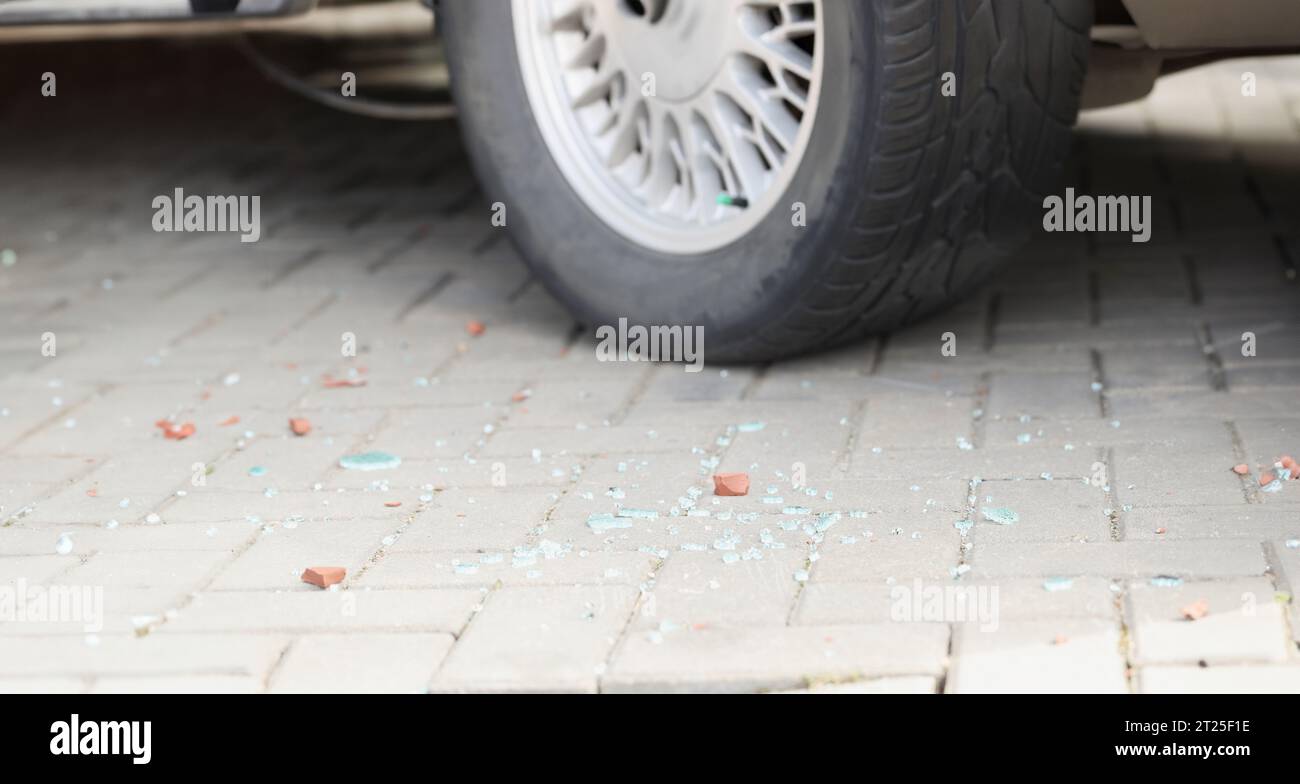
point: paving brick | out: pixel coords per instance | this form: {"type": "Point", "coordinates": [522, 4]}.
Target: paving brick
{"type": "Point", "coordinates": [1284, 556]}
{"type": "Point", "coordinates": [237, 655]}
{"type": "Point", "coordinates": [34, 568]}
{"type": "Point", "coordinates": [700, 590]}
{"type": "Point", "coordinates": [1245, 521]}
{"type": "Point", "coordinates": [1258, 679]}
{"type": "Point", "coordinates": [276, 559]}
{"type": "Point", "coordinates": [531, 639]}
{"type": "Point", "coordinates": [467, 519]}
{"type": "Point", "coordinates": [530, 567]}
{"type": "Point", "coordinates": [899, 685]}
{"type": "Point", "coordinates": [752, 659]}
{"type": "Point", "coordinates": [1055, 510]}
{"type": "Point", "coordinates": [182, 569]}
{"type": "Point", "coordinates": [887, 556]}
{"type": "Point", "coordinates": [1060, 656]}
{"type": "Point", "coordinates": [138, 537]}
{"type": "Point", "coordinates": [1017, 394]}
{"type": "Point", "coordinates": [43, 685]}
{"type": "Point", "coordinates": [1120, 559]}
{"type": "Point", "coordinates": [844, 603]}
{"type": "Point", "coordinates": [84, 611]}
{"type": "Point", "coordinates": [207, 508]}
{"type": "Point", "coordinates": [1245, 623]}
{"type": "Point", "coordinates": [444, 610]}
{"type": "Point", "coordinates": [361, 663]}
{"type": "Point", "coordinates": [183, 684]}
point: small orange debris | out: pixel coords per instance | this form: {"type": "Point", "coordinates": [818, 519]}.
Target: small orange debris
{"type": "Point", "coordinates": [392, 504]}
{"type": "Point", "coordinates": [1061, 639]}
{"type": "Point", "coordinates": [175, 432]}
{"type": "Point", "coordinates": [1241, 469]}
{"type": "Point", "coordinates": [475, 328]}
{"type": "Point", "coordinates": [324, 576]}
{"type": "Point", "coordinates": [300, 426]}
{"type": "Point", "coordinates": [1266, 478]}
{"type": "Point", "coordinates": [330, 382]}
{"type": "Point", "coordinates": [233, 419]}
{"type": "Point", "coordinates": [521, 395]}
{"type": "Point", "coordinates": [731, 484]}
{"type": "Point", "coordinates": [1196, 610]}
{"type": "Point", "coordinates": [93, 492]}
{"type": "Point", "coordinates": [1161, 530]}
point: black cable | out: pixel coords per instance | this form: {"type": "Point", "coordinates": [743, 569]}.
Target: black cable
{"type": "Point", "coordinates": [385, 110]}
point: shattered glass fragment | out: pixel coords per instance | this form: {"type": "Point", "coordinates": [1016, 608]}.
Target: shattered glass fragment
{"type": "Point", "coordinates": [370, 461]}
{"type": "Point", "coordinates": [999, 515]}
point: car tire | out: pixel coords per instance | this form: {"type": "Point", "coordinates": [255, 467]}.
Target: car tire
{"type": "Point", "coordinates": [910, 196]}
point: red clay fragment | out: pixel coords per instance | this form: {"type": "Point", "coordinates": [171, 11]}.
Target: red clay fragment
{"type": "Point", "coordinates": [1196, 610]}
{"type": "Point", "coordinates": [299, 426]}
{"type": "Point", "coordinates": [324, 576]}
{"type": "Point", "coordinates": [233, 419]}
{"type": "Point", "coordinates": [330, 382]}
{"type": "Point", "coordinates": [175, 432]}
{"type": "Point", "coordinates": [1288, 462]}
{"type": "Point", "coordinates": [1241, 469]}
{"type": "Point", "coordinates": [1266, 478]}
{"type": "Point", "coordinates": [475, 328]}
{"type": "Point", "coordinates": [392, 504]}
{"type": "Point", "coordinates": [731, 484]}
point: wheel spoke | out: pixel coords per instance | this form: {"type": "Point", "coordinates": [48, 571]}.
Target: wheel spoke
{"type": "Point", "coordinates": [732, 120]}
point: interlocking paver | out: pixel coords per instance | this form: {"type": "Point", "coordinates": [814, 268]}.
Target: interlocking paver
{"type": "Point", "coordinates": [1238, 558]}
{"type": "Point", "coordinates": [773, 658]}
{"type": "Point", "coordinates": [1244, 623]}
{"type": "Point", "coordinates": [1259, 679]}
{"type": "Point", "coordinates": [321, 611]}
{"type": "Point", "coordinates": [531, 639]}
{"type": "Point", "coordinates": [192, 654]}
{"type": "Point", "coordinates": [375, 663]}
{"type": "Point", "coordinates": [1099, 390]}
{"type": "Point", "coordinates": [1068, 655]}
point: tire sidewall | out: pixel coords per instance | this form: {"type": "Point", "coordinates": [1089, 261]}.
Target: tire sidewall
{"type": "Point", "coordinates": [734, 291]}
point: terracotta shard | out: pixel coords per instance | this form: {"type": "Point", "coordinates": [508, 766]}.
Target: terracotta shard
{"type": "Point", "coordinates": [324, 576]}
{"type": "Point", "coordinates": [299, 426]}
{"type": "Point", "coordinates": [475, 328]}
{"type": "Point", "coordinates": [175, 432]}
{"type": "Point", "coordinates": [330, 382]}
{"type": "Point", "coordinates": [1241, 469]}
{"type": "Point", "coordinates": [1196, 610]}
{"type": "Point", "coordinates": [731, 484]}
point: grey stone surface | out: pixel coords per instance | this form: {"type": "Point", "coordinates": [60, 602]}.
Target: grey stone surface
{"type": "Point", "coordinates": [1114, 369]}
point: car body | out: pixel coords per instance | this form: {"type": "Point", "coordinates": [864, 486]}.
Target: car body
{"type": "Point", "coordinates": [1177, 29]}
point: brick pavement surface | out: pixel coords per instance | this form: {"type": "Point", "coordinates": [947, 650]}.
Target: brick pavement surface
{"type": "Point", "coordinates": [1099, 390]}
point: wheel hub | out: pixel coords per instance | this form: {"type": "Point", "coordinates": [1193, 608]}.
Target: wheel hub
{"type": "Point", "coordinates": [666, 115]}
{"type": "Point", "coordinates": [675, 41]}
